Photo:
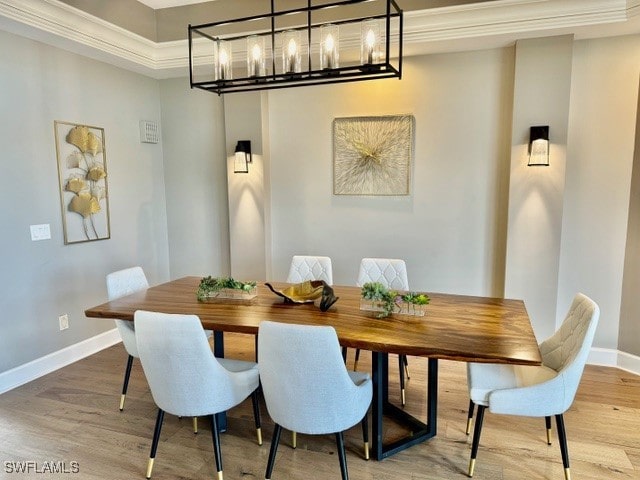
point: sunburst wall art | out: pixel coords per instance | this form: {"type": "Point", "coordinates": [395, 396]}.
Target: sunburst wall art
{"type": "Point", "coordinates": [82, 171]}
{"type": "Point", "coordinates": [372, 155]}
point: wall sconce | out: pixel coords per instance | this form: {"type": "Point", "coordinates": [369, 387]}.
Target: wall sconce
{"type": "Point", "coordinates": [243, 157]}
{"type": "Point", "coordinates": [539, 146]}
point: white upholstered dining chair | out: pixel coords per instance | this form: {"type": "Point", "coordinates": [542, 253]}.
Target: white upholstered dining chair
{"type": "Point", "coordinates": [186, 379]}
{"type": "Point", "coordinates": [306, 386]}
{"type": "Point", "coordinates": [392, 273]}
{"type": "Point", "coordinates": [306, 267]}
{"type": "Point", "coordinates": [121, 283]}
{"type": "Point", "coordinates": [537, 391]}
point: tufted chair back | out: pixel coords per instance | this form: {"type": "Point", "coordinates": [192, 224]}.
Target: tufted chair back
{"type": "Point", "coordinates": [566, 351]}
{"type": "Point", "coordinates": [121, 283]}
{"type": "Point", "coordinates": [305, 267]}
{"type": "Point", "coordinates": [392, 273]}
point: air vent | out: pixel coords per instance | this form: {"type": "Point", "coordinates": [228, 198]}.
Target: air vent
{"type": "Point", "coordinates": [149, 132]}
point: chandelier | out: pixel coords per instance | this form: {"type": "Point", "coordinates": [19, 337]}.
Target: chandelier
{"type": "Point", "coordinates": [324, 42]}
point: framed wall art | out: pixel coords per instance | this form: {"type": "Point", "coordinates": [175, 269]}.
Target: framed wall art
{"type": "Point", "coordinates": [372, 155]}
{"type": "Point", "coordinates": [82, 172]}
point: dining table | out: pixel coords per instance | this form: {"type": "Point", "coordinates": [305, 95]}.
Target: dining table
{"type": "Point", "coordinates": [454, 327]}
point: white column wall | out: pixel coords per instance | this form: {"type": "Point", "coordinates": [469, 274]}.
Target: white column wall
{"type": "Point", "coordinates": [540, 97]}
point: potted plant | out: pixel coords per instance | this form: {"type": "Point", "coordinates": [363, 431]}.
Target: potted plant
{"type": "Point", "coordinates": [378, 298]}
{"type": "Point", "coordinates": [225, 287]}
{"type": "Point", "coordinates": [414, 303]}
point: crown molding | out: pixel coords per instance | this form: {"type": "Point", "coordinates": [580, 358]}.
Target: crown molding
{"type": "Point", "coordinates": [503, 17]}
{"type": "Point", "coordinates": [445, 28]}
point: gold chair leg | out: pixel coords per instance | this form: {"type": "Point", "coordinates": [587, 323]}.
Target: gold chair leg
{"type": "Point", "coordinates": [122, 397]}
{"type": "Point", "coordinates": [294, 442]}
{"type": "Point", "coordinates": [366, 450]}
{"type": "Point", "coordinates": [149, 467]}
{"type": "Point", "coordinates": [259, 434]}
{"type": "Point", "coordinates": [567, 474]}
{"type": "Point", "coordinates": [403, 397]}
{"type": "Point", "coordinates": [469, 422]}
{"type": "Point", "coordinates": [220, 475]}
{"type": "Point", "coordinates": [472, 465]}
{"type": "Point", "coordinates": [548, 436]}
{"type": "Point", "coordinates": [195, 424]}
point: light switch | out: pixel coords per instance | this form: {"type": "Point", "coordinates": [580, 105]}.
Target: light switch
{"type": "Point", "coordinates": [40, 232]}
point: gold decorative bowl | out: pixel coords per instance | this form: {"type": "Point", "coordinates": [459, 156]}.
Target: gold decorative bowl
{"type": "Point", "coordinates": [305, 292]}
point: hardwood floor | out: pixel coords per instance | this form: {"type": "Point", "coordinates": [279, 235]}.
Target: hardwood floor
{"type": "Point", "coordinates": [72, 416]}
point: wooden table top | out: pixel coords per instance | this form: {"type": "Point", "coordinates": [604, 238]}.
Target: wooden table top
{"type": "Point", "coordinates": [455, 327]}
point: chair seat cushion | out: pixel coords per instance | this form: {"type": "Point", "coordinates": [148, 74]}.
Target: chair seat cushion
{"type": "Point", "coordinates": [237, 365]}
{"type": "Point", "coordinates": [483, 378]}
{"type": "Point", "coordinates": [358, 377]}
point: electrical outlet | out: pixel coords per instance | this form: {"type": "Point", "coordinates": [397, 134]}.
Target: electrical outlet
{"type": "Point", "coordinates": [63, 320]}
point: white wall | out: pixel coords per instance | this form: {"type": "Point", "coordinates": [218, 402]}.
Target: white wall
{"type": "Point", "coordinates": [450, 228]}
{"type": "Point", "coordinates": [246, 200]}
{"type": "Point", "coordinates": [602, 121]}
{"type": "Point", "coordinates": [542, 82]}
{"type": "Point", "coordinates": [41, 280]}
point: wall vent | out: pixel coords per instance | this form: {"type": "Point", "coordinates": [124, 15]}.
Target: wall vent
{"type": "Point", "coordinates": [149, 131]}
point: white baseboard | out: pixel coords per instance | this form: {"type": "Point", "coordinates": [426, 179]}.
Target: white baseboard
{"type": "Point", "coordinates": [41, 366]}
{"type": "Point", "coordinates": [614, 358]}
{"type": "Point", "coordinates": [37, 368]}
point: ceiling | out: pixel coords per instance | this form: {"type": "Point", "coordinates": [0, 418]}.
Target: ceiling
{"type": "Point", "coordinates": [453, 25]}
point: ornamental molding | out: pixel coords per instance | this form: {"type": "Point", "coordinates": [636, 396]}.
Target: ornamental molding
{"type": "Point", "coordinates": [489, 24]}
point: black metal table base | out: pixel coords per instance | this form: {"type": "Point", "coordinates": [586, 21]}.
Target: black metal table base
{"type": "Point", "coordinates": [419, 431]}
{"type": "Point", "coordinates": [380, 406]}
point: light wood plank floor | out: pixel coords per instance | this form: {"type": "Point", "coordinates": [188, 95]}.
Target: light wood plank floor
{"type": "Point", "coordinates": [72, 416]}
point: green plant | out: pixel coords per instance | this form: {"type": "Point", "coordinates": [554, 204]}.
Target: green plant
{"type": "Point", "coordinates": [416, 298]}
{"type": "Point", "coordinates": [376, 292]}
{"type": "Point", "coordinates": [210, 285]}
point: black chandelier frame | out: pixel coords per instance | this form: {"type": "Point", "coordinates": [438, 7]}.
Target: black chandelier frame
{"type": "Point", "coordinates": [311, 76]}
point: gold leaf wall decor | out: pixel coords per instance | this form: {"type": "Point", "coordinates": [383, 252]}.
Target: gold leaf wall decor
{"type": "Point", "coordinates": [82, 172]}
{"type": "Point", "coordinates": [372, 155]}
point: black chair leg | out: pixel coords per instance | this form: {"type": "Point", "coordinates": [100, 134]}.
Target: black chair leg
{"type": "Point", "coordinates": [562, 439]}
{"type": "Point", "coordinates": [272, 452]}
{"type": "Point", "coordinates": [125, 385]}
{"type": "Point", "coordinates": [406, 367]}
{"type": "Point", "coordinates": [342, 456]}
{"type": "Point", "coordinates": [401, 365]}
{"type": "Point", "coordinates": [256, 346]}
{"type": "Point", "coordinates": [344, 354]}
{"type": "Point", "coordinates": [256, 414]}
{"type": "Point", "coordinates": [547, 422]}
{"type": "Point", "coordinates": [154, 442]}
{"type": "Point", "coordinates": [215, 436]}
{"type": "Point", "coordinates": [365, 435]}
{"type": "Point", "coordinates": [355, 362]}
{"type": "Point", "coordinates": [476, 438]}
{"type": "Point", "coordinates": [470, 416]}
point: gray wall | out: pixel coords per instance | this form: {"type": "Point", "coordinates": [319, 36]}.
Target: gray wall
{"type": "Point", "coordinates": [41, 280]}
{"type": "Point", "coordinates": [450, 229]}
{"type": "Point", "coordinates": [195, 179]}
